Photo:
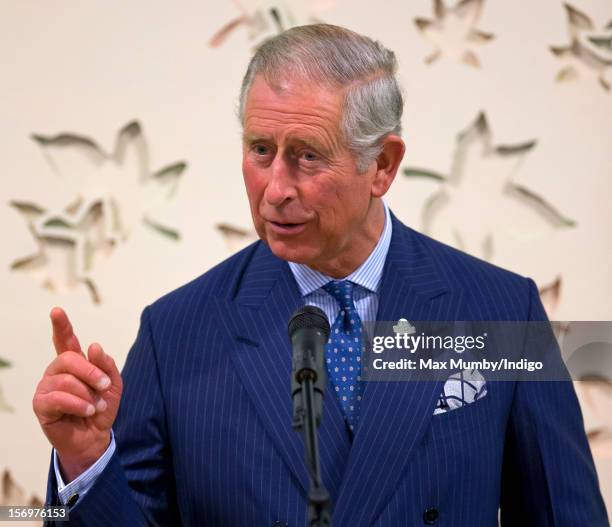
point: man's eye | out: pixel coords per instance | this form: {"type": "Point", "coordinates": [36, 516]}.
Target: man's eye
{"type": "Point", "coordinates": [261, 150]}
{"type": "Point", "coordinates": [310, 156]}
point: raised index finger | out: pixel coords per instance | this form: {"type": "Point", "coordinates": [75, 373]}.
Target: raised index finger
{"type": "Point", "coordinates": [64, 338]}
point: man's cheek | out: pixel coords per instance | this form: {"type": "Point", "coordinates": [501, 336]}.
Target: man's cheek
{"type": "Point", "coordinates": [254, 189]}
{"type": "Point", "coordinates": [249, 180]}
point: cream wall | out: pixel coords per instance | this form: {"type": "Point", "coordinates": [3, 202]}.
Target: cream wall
{"type": "Point", "coordinates": [90, 68]}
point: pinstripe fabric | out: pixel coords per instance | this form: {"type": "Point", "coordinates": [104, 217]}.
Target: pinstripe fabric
{"type": "Point", "coordinates": [204, 431]}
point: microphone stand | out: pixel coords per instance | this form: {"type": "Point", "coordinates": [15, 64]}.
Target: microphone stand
{"type": "Point", "coordinates": [307, 390]}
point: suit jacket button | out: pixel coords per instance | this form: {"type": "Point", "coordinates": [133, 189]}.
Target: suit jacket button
{"type": "Point", "coordinates": [72, 500]}
{"type": "Point", "coordinates": [279, 523]}
{"type": "Point", "coordinates": [430, 516]}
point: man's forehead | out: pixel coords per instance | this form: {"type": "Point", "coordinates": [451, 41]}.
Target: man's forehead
{"type": "Point", "coordinates": [291, 83]}
{"type": "Point", "coordinates": [292, 96]}
{"type": "Point", "coordinates": [299, 113]}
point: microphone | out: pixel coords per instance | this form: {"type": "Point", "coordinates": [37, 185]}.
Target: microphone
{"type": "Point", "coordinates": [308, 332]}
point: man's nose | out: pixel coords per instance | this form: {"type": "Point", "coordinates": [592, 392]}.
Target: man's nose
{"type": "Point", "coordinates": [281, 185]}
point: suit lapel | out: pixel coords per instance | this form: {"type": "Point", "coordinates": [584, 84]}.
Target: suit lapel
{"type": "Point", "coordinates": [257, 320]}
{"type": "Point", "coordinates": [361, 478]}
{"type": "Point", "coordinates": [394, 415]}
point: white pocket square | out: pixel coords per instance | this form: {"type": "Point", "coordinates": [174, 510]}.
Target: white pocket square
{"type": "Point", "coordinates": [460, 389]}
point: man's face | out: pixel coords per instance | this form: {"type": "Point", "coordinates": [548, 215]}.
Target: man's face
{"type": "Point", "coordinates": [307, 199]}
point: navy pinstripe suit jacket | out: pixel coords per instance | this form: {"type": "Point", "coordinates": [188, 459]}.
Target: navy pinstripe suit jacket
{"type": "Point", "coordinates": [204, 430]}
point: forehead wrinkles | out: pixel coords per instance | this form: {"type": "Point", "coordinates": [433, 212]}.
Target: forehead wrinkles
{"type": "Point", "coordinates": [288, 125]}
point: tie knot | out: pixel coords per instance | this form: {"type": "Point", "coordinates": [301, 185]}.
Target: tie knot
{"type": "Point", "coordinates": [342, 291]}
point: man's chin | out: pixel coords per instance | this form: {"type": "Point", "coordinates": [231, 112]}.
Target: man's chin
{"type": "Point", "coordinates": [291, 251]}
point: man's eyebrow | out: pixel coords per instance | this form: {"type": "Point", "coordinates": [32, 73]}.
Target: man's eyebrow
{"type": "Point", "coordinates": [309, 142]}
{"type": "Point", "coordinates": [250, 137]}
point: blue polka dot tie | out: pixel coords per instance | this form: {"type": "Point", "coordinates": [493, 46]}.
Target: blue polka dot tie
{"type": "Point", "coordinates": [343, 350]}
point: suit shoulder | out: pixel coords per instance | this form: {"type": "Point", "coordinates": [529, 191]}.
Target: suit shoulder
{"type": "Point", "coordinates": [218, 282]}
{"type": "Point", "coordinates": [457, 263]}
{"type": "Point", "coordinates": [480, 281]}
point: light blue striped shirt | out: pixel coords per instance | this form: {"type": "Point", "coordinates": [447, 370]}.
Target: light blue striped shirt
{"type": "Point", "coordinates": [366, 277]}
{"type": "Point", "coordinates": [85, 481]}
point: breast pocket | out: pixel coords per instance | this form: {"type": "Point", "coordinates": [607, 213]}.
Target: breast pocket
{"type": "Point", "coordinates": [471, 417]}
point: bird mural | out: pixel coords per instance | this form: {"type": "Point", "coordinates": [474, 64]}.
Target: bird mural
{"type": "Point", "coordinates": [236, 238]}
{"type": "Point", "coordinates": [589, 52]}
{"type": "Point", "coordinates": [480, 197]}
{"type": "Point", "coordinates": [113, 192]}
{"type": "Point", "coordinates": [264, 19]}
{"type": "Point", "coordinates": [453, 33]}
{"type": "Point", "coordinates": [4, 405]}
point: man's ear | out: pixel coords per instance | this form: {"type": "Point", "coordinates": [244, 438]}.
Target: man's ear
{"type": "Point", "coordinates": [387, 164]}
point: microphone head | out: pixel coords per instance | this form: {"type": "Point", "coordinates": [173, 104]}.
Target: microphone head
{"type": "Point", "coordinates": [309, 317]}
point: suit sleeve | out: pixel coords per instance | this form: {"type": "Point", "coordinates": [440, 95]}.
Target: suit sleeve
{"type": "Point", "coordinates": [548, 476]}
{"type": "Point", "coordinates": [136, 488]}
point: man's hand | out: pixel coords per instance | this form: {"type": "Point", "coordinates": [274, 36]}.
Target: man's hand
{"type": "Point", "coordinates": [77, 399]}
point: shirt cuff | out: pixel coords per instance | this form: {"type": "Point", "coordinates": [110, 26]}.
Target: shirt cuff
{"type": "Point", "coordinates": [78, 487]}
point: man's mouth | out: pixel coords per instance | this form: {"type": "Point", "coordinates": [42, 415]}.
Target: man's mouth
{"type": "Point", "coordinates": [286, 228]}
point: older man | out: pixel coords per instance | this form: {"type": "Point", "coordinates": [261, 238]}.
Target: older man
{"type": "Point", "coordinates": [203, 433]}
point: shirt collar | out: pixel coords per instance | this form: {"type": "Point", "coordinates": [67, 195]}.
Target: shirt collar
{"type": "Point", "coordinates": [368, 275]}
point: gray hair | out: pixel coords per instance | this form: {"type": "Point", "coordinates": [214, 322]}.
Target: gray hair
{"type": "Point", "coordinates": [338, 58]}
